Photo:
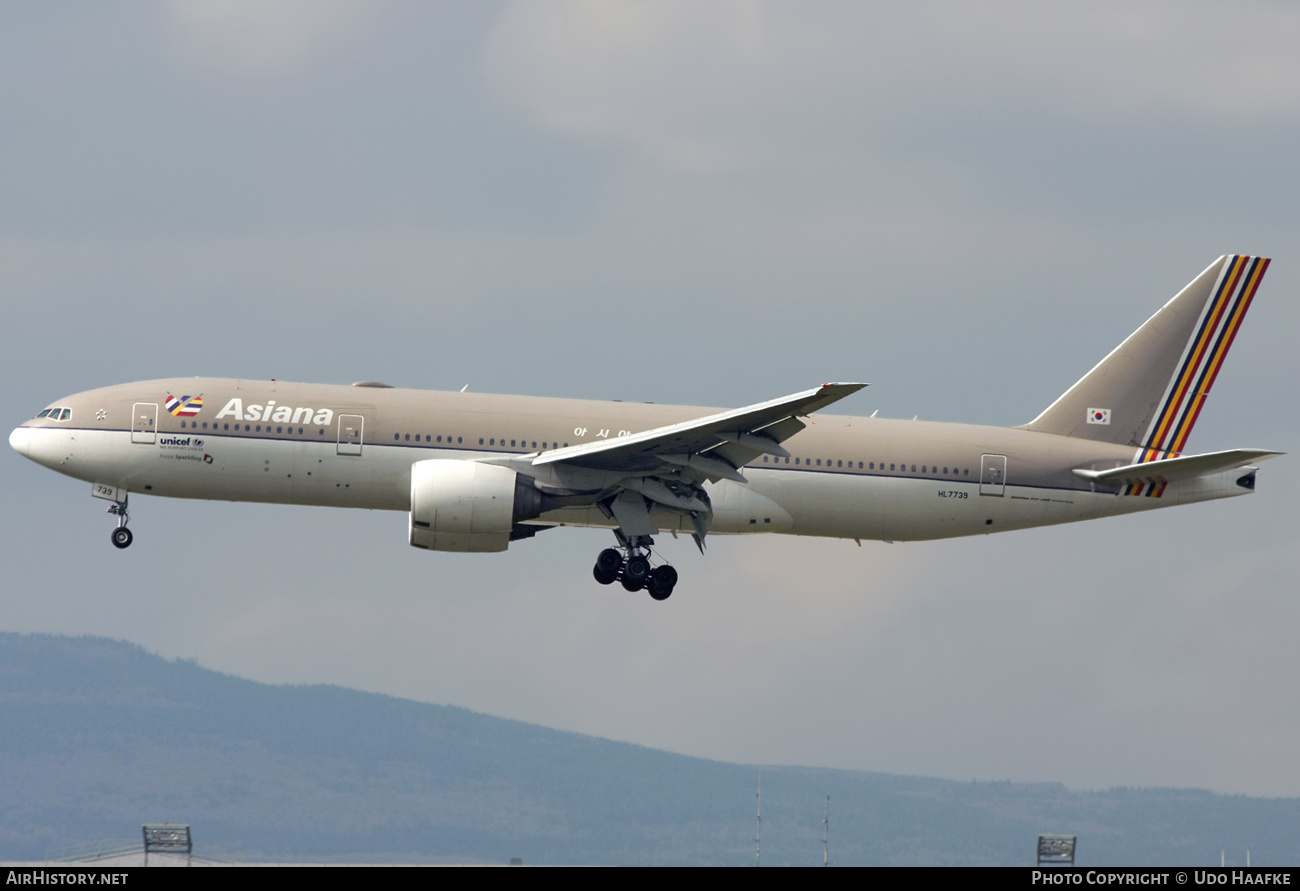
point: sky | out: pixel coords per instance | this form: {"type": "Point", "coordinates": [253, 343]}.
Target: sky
{"type": "Point", "coordinates": [966, 205]}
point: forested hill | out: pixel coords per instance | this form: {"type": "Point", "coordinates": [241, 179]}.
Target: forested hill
{"type": "Point", "coordinates": [98, 736]}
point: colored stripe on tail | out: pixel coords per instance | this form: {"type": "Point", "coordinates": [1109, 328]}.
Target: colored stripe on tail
{"type": "Point", "coordinates": [1149, 391]}
{"type": "Point", "coordinates": [1200, 362]}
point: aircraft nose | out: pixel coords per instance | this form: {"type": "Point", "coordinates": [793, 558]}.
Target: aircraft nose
{"type": "Point", "coordinates": [18, 441]}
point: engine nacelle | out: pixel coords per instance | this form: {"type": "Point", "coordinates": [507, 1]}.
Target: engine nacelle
{"type": "Point", "coordinates": [469, 506]}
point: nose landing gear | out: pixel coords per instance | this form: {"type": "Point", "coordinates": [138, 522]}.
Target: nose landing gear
{"type": "Point", "coordinates": [634, 572]}
{"type": "Point", "coordinates": [122, 536]}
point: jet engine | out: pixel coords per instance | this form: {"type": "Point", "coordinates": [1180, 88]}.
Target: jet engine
{"type": "Point", "coordinates": [469, 506]}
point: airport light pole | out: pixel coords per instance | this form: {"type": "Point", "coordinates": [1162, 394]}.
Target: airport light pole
{"type": "Point", "coordinates": [168, 838]}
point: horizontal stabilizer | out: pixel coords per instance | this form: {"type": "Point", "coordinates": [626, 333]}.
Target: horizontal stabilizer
{"type": "Point", "coordinates": [1171, 469]}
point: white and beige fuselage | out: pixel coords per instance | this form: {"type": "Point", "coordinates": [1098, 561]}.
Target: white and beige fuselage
{"type": "Point", "coordinates": [341, 446]}
{"type": "Point", "coordinates": [478, 471]}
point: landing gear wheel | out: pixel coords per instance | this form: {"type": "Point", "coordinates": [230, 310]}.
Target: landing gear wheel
{"type": "Point", "coordinates": [121, 535]}
{"type": "Point", "coordinates": [607, 566]}
{"type": "Point", "coordinates": [662, 582]}
{"type": "Point", "coordinates": [636, 572]}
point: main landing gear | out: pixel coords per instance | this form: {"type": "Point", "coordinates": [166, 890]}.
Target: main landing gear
{"type": "Point", "coordinates": [122, 536]}
{"type": "Point", "coordinates": [631, 567]}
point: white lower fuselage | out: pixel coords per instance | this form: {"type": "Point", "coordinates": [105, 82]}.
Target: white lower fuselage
{"type": "Point", "coordinates": [896, 505]}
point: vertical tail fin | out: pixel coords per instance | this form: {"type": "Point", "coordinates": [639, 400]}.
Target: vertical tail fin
{"type": "Point", "coordinates": [1149, 391]}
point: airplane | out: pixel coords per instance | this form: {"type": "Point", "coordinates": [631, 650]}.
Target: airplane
{"type": "Point", "coordinates": [476, 472]}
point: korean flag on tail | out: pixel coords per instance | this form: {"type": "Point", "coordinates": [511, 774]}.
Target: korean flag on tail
{"type": "Point", "coordinates": [1099, 416]}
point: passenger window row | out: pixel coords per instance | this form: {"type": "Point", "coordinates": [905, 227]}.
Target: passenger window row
{"type": "Point", "coordinates": [428, 437]}
{"type": "Point", "coordinates": [62, 414]}
{"type": "Point", "coordinates": [249, 428]}
{"type": "Point", "coordinates": [521, 443]}
{"type": "Point", "coordinates": [492, 442]}
{"type": "Point", "coordinates": [868, 465]}
{"type": "Point", "coordinates": [282, 430]}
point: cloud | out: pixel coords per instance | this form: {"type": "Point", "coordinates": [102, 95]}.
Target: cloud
{"type": "Point", "coordinates": [673, 80]}
{"type": "Point", "coordinates": [723, 86]}
{"type": "Point", "coordinates": [260, 38]}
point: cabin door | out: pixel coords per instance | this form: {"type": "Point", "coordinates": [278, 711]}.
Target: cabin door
{"type": "Point", "coordinates": [144, 422]}
{"type": "Point", "coordinates": [993, 475]}
{"type": "Point", "coordinates": [351, 432]}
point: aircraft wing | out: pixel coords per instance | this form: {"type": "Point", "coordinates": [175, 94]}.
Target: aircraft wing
{"type": "Point", "coordinates": [665, 468]}
{"type": "Point", "coordinates": [1181, 468]}
{"type": "Point", "coordinates": [715, 446]}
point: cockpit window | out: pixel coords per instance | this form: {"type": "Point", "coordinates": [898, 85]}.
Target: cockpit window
{"type": "Point", "coordinates": [56, 414]}
{"type": "Point", "coordinates": [45, 414]}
